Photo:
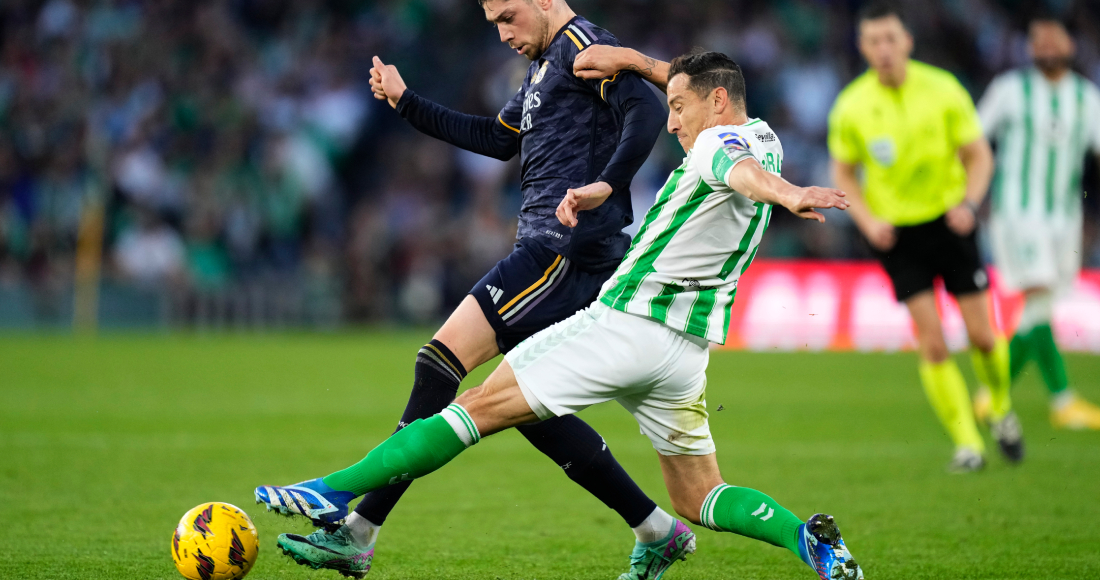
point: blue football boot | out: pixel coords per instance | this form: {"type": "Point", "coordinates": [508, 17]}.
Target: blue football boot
{"type": "Point", "coordinates": [820, 546]}
{"type": "Point", "coordinates": [324, 506]}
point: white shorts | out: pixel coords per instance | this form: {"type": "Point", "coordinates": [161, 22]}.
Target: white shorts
{"type": "Point", "coordinates": [600, 354]}
{"type": "Point", "coordinates": [1033, 253]}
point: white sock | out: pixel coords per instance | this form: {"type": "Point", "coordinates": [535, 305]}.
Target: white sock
{"type": "Point", "coordinates": [363, 531]}
{"type": "Point", "coordinates": [460, 421]}
{"type": "Point", "coordinates": [655, 527]}
{"type": "Point", "coordinates": [1038, 309]}
{"type": "Point", "coordinates": [1062, 399]}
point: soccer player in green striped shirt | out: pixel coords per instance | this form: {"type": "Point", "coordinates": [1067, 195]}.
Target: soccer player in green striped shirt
{"type": "Point", "coordinates": [1044, 119]}
{"type": "Point", "coordinates": [645, 342]}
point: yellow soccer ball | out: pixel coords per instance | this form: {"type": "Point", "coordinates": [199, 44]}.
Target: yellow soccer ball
{"type": "Point", "coordinates": [215, 541]}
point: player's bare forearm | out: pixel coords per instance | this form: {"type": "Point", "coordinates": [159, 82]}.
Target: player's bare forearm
{"type": "Point", "coordinates": [751, 180]}
{"type": "Point", "coordinates": [602, 61]}
{"type": "Point", "coordinates": [651, 69]}
{"type": "Point", "coordinates": [977, 160]}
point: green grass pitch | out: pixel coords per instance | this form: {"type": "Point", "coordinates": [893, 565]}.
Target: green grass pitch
{"type": "Point", "coordinates": [104, 444]}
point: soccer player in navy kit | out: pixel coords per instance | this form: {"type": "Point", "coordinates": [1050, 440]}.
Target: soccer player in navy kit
{"type": "Point", "coordinates": [581, 138]}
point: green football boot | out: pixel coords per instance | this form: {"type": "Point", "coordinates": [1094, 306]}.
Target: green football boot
{"type": "Point", "coordinates": [650, 561]}
{"type": "Point", "coordinates": [329, 551]}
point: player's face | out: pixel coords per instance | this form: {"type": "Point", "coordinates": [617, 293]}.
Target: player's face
{"type": "Point", "coordinates": [1051, 46]}
{"type": "Point", "coordinates": [687, 112]}
{"type": "Point", "coordinates": [522, 24]}
{"type": "Point", "coordinates": [885, 43]}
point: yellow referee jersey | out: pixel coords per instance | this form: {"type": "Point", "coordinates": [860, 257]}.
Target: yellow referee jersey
{"type": "Point", "coordinates": [907, 141]}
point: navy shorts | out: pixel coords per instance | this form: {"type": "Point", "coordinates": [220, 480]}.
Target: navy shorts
{"type": "Point", "coordinates": [532, 288]}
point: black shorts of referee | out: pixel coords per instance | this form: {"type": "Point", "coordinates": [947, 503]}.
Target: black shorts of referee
{"type": "Point", "coordinates": [924, 251]}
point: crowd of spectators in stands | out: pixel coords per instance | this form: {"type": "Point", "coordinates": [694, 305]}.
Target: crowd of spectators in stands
{"type": "Point", "coordinates": [233, 142]}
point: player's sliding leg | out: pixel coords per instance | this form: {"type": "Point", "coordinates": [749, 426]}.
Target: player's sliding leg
{"type": "Point", "coordinates": [1034, 340]}
{"type": "Point", "coordinates": [699, 494]}
{"type": "Point", "coordinates": [437, 373]}
{"type": "Point", "coordinates": [989, 354]}
{"type": "Point", "coordinates": [420, 448]}
{"type": "Point", "coordinates": [944, 385]}
{"type": "Point", "coordinates": [465, 341]}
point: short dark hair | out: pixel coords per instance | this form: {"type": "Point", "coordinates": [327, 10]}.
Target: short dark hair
{"type": "Point", "coordinates": [876, 10]}
{"type": "Point", "coordinates": [707, 71]}
{"type": "Point", "coordinates": [1048, 16]}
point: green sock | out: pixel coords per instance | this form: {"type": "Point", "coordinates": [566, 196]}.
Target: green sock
{"type": "Point", "coordinates": [1049, 359]}
{"type": "Point", "coordinates": [422, 447]}
{"type": "Point", "coordinates": [749, 513]}
{"type": "Point", "coordinates": [1019, 353]}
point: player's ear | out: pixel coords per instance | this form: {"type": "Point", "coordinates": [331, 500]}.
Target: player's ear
{"type": "Point", "coordinates": [720, 98]}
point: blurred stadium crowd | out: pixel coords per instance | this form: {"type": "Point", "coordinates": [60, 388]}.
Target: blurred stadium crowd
{"type": "Point", "coordinates": [243, 172]}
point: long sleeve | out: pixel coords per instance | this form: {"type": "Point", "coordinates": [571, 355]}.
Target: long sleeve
{"type": "Point", "coordinates": [482, 135]}
{"type": "Point", "coordinates": [643, 119]}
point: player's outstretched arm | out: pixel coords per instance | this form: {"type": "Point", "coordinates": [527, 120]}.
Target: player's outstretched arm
{"type": "Point", "coordinates": [751, 180]}
{"type": "Point", "coordinates": [602, 61]}
{"type": "Point", "coordinates": [487, 136]}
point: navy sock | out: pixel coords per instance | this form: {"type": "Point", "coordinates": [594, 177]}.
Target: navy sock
{"type": "Point", "coordinates": [437, 375]}
{"type": "Point", "coordinates": [581, 452]}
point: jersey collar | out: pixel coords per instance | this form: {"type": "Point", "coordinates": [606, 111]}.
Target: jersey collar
{"type": "Point", "coordinates": [561, 32]}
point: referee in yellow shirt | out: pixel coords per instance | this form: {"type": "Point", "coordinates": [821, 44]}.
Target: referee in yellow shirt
{"type": "Point", "coordinates": [926, 167]}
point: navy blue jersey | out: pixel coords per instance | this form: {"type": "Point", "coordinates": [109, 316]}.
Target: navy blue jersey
{"type": "Point", "coordinates": [569, 132]}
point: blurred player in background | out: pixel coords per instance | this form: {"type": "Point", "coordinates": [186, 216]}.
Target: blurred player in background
{"type": "Point", "coordinates": [572, 135]}
{"type": "Point", "coordinates": [926, 167]}
{"type": "Point", "coordinates": [1044, 119]}
{"type": "Point", "coordinates": [644, 342]}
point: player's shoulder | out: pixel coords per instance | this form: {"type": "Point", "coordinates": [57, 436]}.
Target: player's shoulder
{"type": "Point", "coordinates": [1085, 85]}
{"type": "Point", "coordinates": [856, 94]}
{"type": "Point", "coordinates": [578, 35]}
{"type": "Point", "coordinates": [736, 139]}
{"type": "Point", "coordinates": [933, 78]}
{"type": "Point", "coordinates": [1007, 80]}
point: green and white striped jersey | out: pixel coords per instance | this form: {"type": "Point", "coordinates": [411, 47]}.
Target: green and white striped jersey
{"type": "Point", "coordinates": [699, 236]}
{"type": "Point", "coordinates": [1042, 130]}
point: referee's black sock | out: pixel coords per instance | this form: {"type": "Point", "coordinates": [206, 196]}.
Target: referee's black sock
{"type": "Point", "coordinates": [584, 456]}
{"type": "Point", "coordinates": [437, 375]}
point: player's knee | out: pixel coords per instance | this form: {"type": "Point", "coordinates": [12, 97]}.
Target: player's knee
{"type": "Point", "coordinates": [470, 395]}
{"type": "Point", "coordinates": [935, 351]}
{"type": "Point", "coordinates": [983, 340]}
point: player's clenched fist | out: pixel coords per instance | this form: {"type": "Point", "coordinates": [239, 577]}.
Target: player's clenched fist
{"type": "Point", "coordinates": [578, 200]}
{"type": "Point", "coordinates": [386, 83]}
{"type": "Point", "coordinates": [598, 61]}
{"type": "Point", "coordinates": [961, 219]}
